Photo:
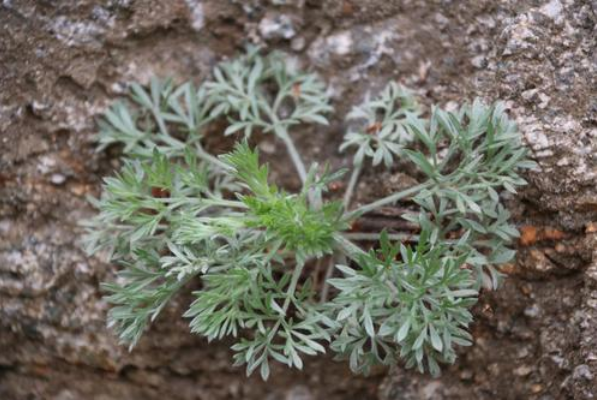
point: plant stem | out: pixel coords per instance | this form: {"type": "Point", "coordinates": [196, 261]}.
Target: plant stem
{"type": "Point", "coordinates": [211, 200]}
{"type": "Point", "coordinates": [386, 200]}
{"type": "Point", "coordinates": [211, 159]}
{"type": "Point", "coordinates": [354, 177]}
{"type": "Point", "coordinates": [282, 133]}
{"type": "Point", "coordinates": [315, 274]}
{"type": "Point", "coordinates": [348, 247]}
{"type": "Point", "coordinates": [328, 274]}
{"type": "Point", "coordinates": [296, 274]}
{"type": "Point", "coordinates": [226, 203]}
{"type": "Point", "coordinates": [375, 236]}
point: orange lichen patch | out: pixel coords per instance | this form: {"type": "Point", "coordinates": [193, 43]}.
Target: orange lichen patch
{"type": "Point", "coordinates": [552, 234]}
{"type": "Point", "coordinates": [529, 235]}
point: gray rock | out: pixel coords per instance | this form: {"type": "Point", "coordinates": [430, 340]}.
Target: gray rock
{"type": "Point", "coordinates": [277, 26]}
{"type": "Point", "coordinates": [62, 65]}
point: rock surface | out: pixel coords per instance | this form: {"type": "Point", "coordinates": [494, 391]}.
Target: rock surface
{"type": "Point", "coordinates": [60, 65]}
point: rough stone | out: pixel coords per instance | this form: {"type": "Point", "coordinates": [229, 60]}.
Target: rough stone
{"type": "Point", "coordinates": [60, 66]}
{"type": "Point", "coordinates": [277, 26]}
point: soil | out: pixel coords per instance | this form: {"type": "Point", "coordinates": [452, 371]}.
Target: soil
{"type": "Point", "coordinates": [62, 63]}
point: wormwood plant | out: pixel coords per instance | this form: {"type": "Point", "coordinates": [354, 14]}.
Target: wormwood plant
{"type": "Point", "coordinates": [175, 213]}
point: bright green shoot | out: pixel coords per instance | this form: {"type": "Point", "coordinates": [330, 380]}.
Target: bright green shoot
{"type": "Point", "coordinates": [177, 213]}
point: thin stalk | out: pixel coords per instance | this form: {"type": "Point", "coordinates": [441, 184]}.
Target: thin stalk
{"type": "Point", "coordinates": [282, 94]}
{"type": "Point", "coordinates": [375, 236]}
{"type": "Point", "coordinates": [216, 162]}
{"type": "Point", "coordinates": [292, 288]}
{"type": "Point", "coordinates": [315, 274]}
{"type": "Point", "coordinates": [212, 201]}
{"type": "Point", "coordinates": [227, 203]}
{"type": "Point", "coordinates": [386, 200]}
{"type": "Point", "coordinates": [354, 178]}
{"type": "Point", "coordinates": [273, 251]}
{"type": "Point", "coordinates": [282, 133]}
{"type": "Point", "coordinates": [289, 295]}
{"type": "Point", "coordinates": [351, 250]}
{"type": "Point", "coordinates": [337, 258]}
{"type": "Point", "coordinates": [328, 274]}
{"type": "Point", "coordinates": [347, 245]}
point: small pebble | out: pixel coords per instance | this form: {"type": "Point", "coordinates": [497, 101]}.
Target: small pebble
{"type": "Point", "coordinates": [58, 179]}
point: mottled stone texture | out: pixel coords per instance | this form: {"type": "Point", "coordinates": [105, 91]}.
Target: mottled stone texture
{"type": "Point", "coordinates": [61, 63]}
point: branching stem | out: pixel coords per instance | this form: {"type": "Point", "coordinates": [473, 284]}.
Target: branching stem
{"type": "Point", "coordinates": [354, 178]}
{"type": "Point", "coordinates": [296, 274]}
{"type": "Point", "coordinates": [375, 236]}
{"type": "Point", "coordinates": [350, 249]}
{"type": "Point", "coordinates": [282, 133]}
{"type": "Point", "coordinates": [226, 203]}
{"type": "Point", "coordinates": [216, 162]}
{"type": "Point", "coordinates": [386, 200]}
{"type": "Point", "coordinates": [328, 274]}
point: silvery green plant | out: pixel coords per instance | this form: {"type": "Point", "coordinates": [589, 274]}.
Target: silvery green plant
{"type": "Point", "coordinates": [176, 213]}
